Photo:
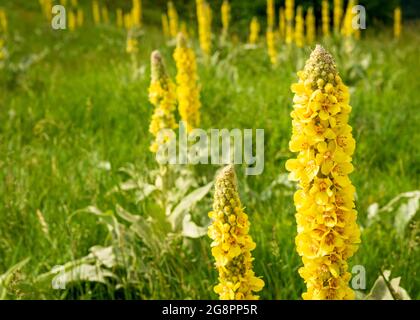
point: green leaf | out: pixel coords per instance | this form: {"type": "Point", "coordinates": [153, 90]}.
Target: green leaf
{"type": "Point", "coordinates": [190, 229]}
{"type": "Point", "coordinates": [177, 215]}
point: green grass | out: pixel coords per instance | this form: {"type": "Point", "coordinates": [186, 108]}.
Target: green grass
{"type": "Point", "coordinates": [79, 106]}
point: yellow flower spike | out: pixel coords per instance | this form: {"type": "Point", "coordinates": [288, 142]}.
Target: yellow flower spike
{"type": "Point", "coordinates": [119, 18]}
{"type": "Point", "coordinates": [271, 46]}
{"type": "Point", "coordinates": [271, 14]}
{"type": "Point", "coordinates": [397, 22]}
{"type": "Point", "coordinates": [310, 26]}
{"type": "Point", "coordinates": [254, 30]}
{"type": "Point", "coordinates": [163, 96]}
{"type": "Point", "coordinates": [136, 13]}
{"type": "Point", "coordinates": [232, 245]}
{"type": "Point", "coordinates": [96, 12]}
{"type": "Point", "coordinates": [347, 28]}
{"type": "Point", "coordinates": [3, 21]}
{"type": "Point", "coordinates": [72, 20]}
{"type": "Point", "coordinates": [188, 92]}
{"type": "Point", "coordinates": [282, 23]}
{"type": "Point", "coordinates": [327, 233]}
{"type": "Point", "coordinates": [80, 17]}
{"type": "Point", "coordinates": [173, 19]}
{"type": "Point", "coordinates": [165, 25]}
{"type": "Point", "coordinates": [325, 18]}
{"type": "Point", "coordinates": [299, 28]}
{"type": "Point", "coordinates": [290, 14]}
{"type": "Point", "coordinates": [225, 12]}
{"type": "Point", "coordinates": [338, 15]}
{"type": "Point", "coordinates": [105, 15]}
{"type": "Point", "coordinates": [204, 17]}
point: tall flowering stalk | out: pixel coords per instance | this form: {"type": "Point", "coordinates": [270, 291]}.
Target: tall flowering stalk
{"type": "Point", "coordinates": [310, 26]}
{"type": "Point", "coordinates": [225, 12]}
{"type": "Point", "coordinates": [136, 13]}
{"type": "Point", "coordinates": [299, 28]}
{"type": "Point", "coordinates": [127, 21]}
{"type": "Point", "coordinates": [271, 46]}
{"type": "Point", "coordinates": [163, 96]}
{"type": "Point", "coordinates": [165, 26]}
{"type": "Point", "coordinates": [204, 16]}
{"type": "Point", "coordinates": [397, 22]}
{"type": "Point", "coordinates": [254, 30]}
{"type": "Point", "coordinates": [173, 19]}
{"type": "Point", "coordinates": [347, 27]}
{"type": "Point", "coordinates": [3, 21]}
{"type": "Point", "coordinates": [232, 245]}
{"type": "Point", "coordinates": [80, 17]}
{"type": "Point", "coordinates": [119, 18]}
{"type": "Point", "coordinates": [96, 12]}
{"type": "Point", "coordinates": [290, 14]}
{"type": "Point", "coordinates": [188, 92]}
{"type": "Point", "coordinates": [338, 15]}
{"type": "Point", "coordinates": [325, 18]}
{"type": "Point", "coordinates": [105, 14]}
{"type": "Point", "coordinates": [271, 12]}
{"type": "Point", "coordinates": [282, 23]}
{"type": "Point", "coordinates": [328, 234]}
{"type": "Point", "coordinates": [72, 20]}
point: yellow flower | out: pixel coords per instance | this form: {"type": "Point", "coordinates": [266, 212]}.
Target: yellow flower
{"type": "Point", "coordinates": [187, 91]}
{"type": "Point", "coordinates": [173, 19]}
{"type": "Point", "coordinates": [270, 14]}
{"type": "Point", "coordinates": [162, 95]}
{"type": "Point", "coordinates": [397, 22]}
{"type": "Point", "coordinates": [254, 30]}
{"type": "Point", "coordinates": [132, 44]}
{"type": "Point", "coordinates": [204, 16]}
{"type": "Point", "coordinates": [119, 18]}
{"type": "Point", "coordinates": [289, 12]}
{"type": "Point", "coordinates": [327, 230]}
{"type": "Point", "coordinates": [325, 18]}
{"type": "Point", "coordinates": [225, 11]}
{"type": "Point", "coordinates": [271, 46]}
{"type": "Point", "coordinates": [136, 13]}
{"type": "Point", "coordinates": [310, 26]}
{"type": "Point", "coordinates": [165, 25]}
{"type": "Point", "coordinates": [232, 245]}
{"type": "Point", "coordinates": [282, 23]}
{"type": "Point", "coordinates": [299, 28]}
{"type": "Point", "coordinates": [338, 14]}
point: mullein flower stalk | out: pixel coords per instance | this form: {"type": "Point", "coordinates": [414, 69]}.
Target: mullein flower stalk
{"type": "Point", "coordinates": [3, 21]}
{"type": "Point", "coordinates": [127, 21]}
{"type": "Point", "coordinates": [188, 92]}
{"type": "Point", "coordinates": [80, 17]}
{"type": "Point", "coordinates": [165, 26]}
{"type": "Point", "coordinates": [290, 14]}
{"type": "Point", "coordinates": [299, 28]}
{"type": "Point", "coordinates": [72, 20]}
{"type": "Point", "coordinates": [328, 234]}
{"type": "Point", "coordinates": [338, 15]}
{"type": "Point", "coordinates": [162, 95]}
{"type": "Point", "coordinates": [96, 12]}
{"type": "Point", "coordinates": [136, 13]}
{"type": "Point", "coordinates": [254, 31]}
{"type": "Point", "coordinates": [271, 12]}
{"type": "Point", "coordinates": [105, 15]}
{"type": "Point", "coordinates": [397, 22]}
{"type": "Point", "coordinates": [232, 244]}
{"type": "Point", "coordinates": [347, 28]}
{"type": "Point", "coordinates": [225, 12]}
{"type": "Point", "coordinates": [282, 23]}
{"type": "Point", "coordinates": [325, 18]}
{"type": "Point", "coordinates": [173, 19]}
{"type": "Point", "coordinates": [119, 18]}
{"type": "Point", "coordinates": [310, 26]}
{"type": "Point", "coordinates": [271, 46]}
{"type": "Point", "coordinates": [204, 16]}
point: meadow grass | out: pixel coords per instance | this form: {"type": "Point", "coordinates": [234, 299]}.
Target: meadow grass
{"type": "Point", "coordinates": [78, 108]}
